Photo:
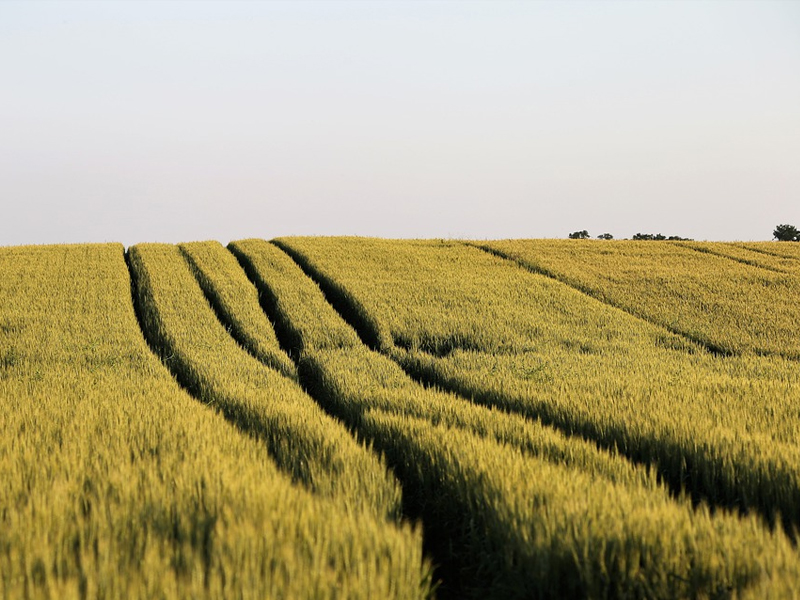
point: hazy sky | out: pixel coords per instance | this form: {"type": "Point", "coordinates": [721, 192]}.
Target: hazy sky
{"type": "Point", "coordinates": [179, 121]}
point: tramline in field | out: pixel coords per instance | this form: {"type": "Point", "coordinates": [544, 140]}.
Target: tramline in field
{"type": "Point", "coordinates": [118, 484]}
{"type": "Point", "coordinates": [365, 418]}
{"type": "Point", "coordinates": [369, 391]}
{"type": "Point", "coordinates": [725, 296]}
{"type": "Point", "coordinates": [463, 319]}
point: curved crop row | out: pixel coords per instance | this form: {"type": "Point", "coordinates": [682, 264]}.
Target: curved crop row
{"type": "Point", "coordinates": [350, 382]}
{"type": "Point", "coordinates": [304, 441]}
{"type": "Point", "coordinates": [229, 291]}
{"type": "Point", "coordinates": [117, 484]}
{"type": "Point", "coordinates": [492, 331]}
{"type": "Point", "coordinates": [779, 249]}
{"type": "Point", "coordinates": [749, 256]}
{"type": "Point", "coordinates": [535, 529]}
{"type": "Point", "coordinates": [309, 328]}
{"type": "Point", "coordinates": [734, 308]}
{"type": "Point", "coordinates": [518, 509]}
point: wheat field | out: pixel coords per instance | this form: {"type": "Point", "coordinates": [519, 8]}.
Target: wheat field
{"type": "Point", "coordinates": [370, 418]}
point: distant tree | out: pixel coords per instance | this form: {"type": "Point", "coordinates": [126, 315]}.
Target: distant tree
{"type": "Point", "coordinates": [658, 237]}
{"type": "Point", "coordinates": [605, 236]}
{"type": "Point", "coordinates": [786, 233]}
{"type": "Point", "coordinates": [579, 235]}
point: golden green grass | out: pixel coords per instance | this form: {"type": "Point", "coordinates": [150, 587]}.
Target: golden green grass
{"type": "Point", "coordinates": [727, 305]}
{"type": "Point", "coordinates": [750, 254]}
{"type": "Point", "coordinates": [313, 448]}
{"type": "Point", "coordinates": [723, 428]}
{"type": "Point", "coordinates": [225, 285]}
{"type": "Point", "coordinates": [556, 418]}
{"type": "Point", "coordinates": [527, 511]}
{"type": "Point", "coordinates": [118, 484]}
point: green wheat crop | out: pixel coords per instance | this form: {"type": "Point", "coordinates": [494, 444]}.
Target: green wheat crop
{"type": "Point", "coordinates": [311, 446]}
{"type": "Point", "coordinates": [523, 511]}
{"type": "Point", "coordinates": [724, 428]}
{"type": "Point", "coordinates": [117, 484]}
{"type": "Point", "coordinates": [729, 305]}
{"type": "Point", "coordinates": [225, 285]}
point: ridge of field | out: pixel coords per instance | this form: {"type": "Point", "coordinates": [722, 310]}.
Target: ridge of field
{"type": "Point", "coordinates": [728, 306]}
{"type": "Point", "coordinates": [230, 287]}
{"type": "Point", "coordinates": [311, 447]}
{"type": "Point", "coordinates": [465, 320]}
{"type": "Point", "coordinates": [117, 484]}
{"type": "Point", "coordinates": [781, 249]}
{"type": "Point", "coordinates": [750, 256]}
{"type": "Point", "coordinates": [513, 515]}
{"type": "Point", "coordinates": [351, 379]}
{"type": "Point", "coordinates": [584, 537]}
{"type": "Point", "coordinates": [309, 328]}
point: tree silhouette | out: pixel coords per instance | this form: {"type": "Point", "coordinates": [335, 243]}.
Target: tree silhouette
{"type": "Point", "coordinates": [659, 237]}
{"type": "Point", "coordinates": [579, 235]}
{"type": "Point", "coordinates": [786, 233]}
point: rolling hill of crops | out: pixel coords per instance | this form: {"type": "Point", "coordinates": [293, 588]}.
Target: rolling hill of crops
{"type": "Point", "coordinates": [369, 418]}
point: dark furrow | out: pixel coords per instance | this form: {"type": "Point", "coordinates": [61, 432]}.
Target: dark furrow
{"type": "Point", "coordinates": [340, 302]}
{"type": "Point", "coordinates": [289, 338]}
{"type": "Point", "coordinates": [239, 337]}
{"type": "Point", "coordinates": [675, 467]}
{"type": "Point", "coordinates": [348, 307]}
{"type": "Point", "coordinates": [438, 543]}
{"type": "Point", "coordinates": [766, 252]}
{"type": "Point", "coordinates": [704, 344]}
{"type": "Point", "coordinates": [188, 381]}
{"type": "Point", "coordinates": [137, 309]}
{"type": "Point", "coordinates": [246, 420]}
{"type": "Point", "coordinates": [743, 261]}
{"type": "Point", "coordinates": [441, 540]}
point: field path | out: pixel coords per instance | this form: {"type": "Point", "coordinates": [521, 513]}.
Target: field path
{"type": "Point", "coordinates": [719, 295]}
{"type": "Point", "coordinates": [474, 474]}
{"type": "Point", "coordinates": [466, 321]}
{"type": "Point", "coordinates": [118, 484]}
{"type": "Point", "coordinates": [310, 446]}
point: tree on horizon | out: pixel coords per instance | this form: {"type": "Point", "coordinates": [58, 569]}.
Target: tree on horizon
{"type": "Point", "coordinates": [786, 233]}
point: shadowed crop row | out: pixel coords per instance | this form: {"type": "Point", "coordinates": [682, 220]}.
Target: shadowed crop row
{"type": "Point", "coordinates": [121, 484]}
{"type": "Point", "coordinates": [723, 428]}
{"type": "Point", "coordinates": [117, 484]}
{"type": "Point", "coordinates": [513, 508]}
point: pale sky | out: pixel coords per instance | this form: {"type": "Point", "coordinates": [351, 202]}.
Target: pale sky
{"type": "Point", "coordinates": [177, 121]}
